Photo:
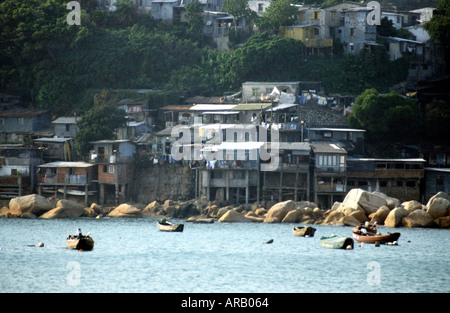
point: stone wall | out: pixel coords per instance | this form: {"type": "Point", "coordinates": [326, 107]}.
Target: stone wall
{"type": "Point", "coordinates": [162, 182]}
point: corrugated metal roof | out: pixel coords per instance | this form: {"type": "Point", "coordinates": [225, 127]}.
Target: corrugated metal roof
{"type": "Point", "coordinates": [230, 145]}
{"type": "Point", "coordinates": [337, 129]}
{"type": "Point", "coordinates": [184, 107]}
{"type": "Point", "coordinates": [327, 147]}
{"type": "Point", "coordinates": [67, 164]}
{"type": "Point", "coordinates": [212, 107]}
{"type": "Point", "coordinates": [53, 139]}
{"type": "Point", "coordinates": [66, 120]}
{"type": "Point", "coordinates": [385, 160]}
{"type": "Point", "coordinates": [282, 107]}
{"type": "Point", "coordinates": [251, 106]}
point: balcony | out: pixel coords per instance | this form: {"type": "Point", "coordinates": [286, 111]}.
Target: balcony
{"type": "Point", "coordinates": [318, 43]}
{"type": "Point", "coordinates": [52, 179]}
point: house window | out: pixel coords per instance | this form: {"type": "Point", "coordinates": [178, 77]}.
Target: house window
{"type": "Point", "coordinates": [67, 127]}
{"type": "Point", "coordinates": [2, 121]}
{"type": "Point", "coordinates": [352, 32]}
{"type": "Point", "coordinates": [255, 92]}
{"type": "Point", "coordinates": [315, 15]}
{"type": "Point", "coordinates": [21, 121]}
{"type": "Point", "coordinates": [260, 7]}
{"type": "Point", "coordinates": [111, 169]}
{"type": "Point", "coordinates": [333, 15]}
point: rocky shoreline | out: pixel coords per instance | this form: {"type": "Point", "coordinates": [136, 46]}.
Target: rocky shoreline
{"type": "Point", "coordinates": [357, 207]}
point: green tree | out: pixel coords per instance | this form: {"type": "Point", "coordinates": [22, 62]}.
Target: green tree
{"type": "Point", "coordinates": [194, 19]}
{"type": "Point", "coordinates": [437, 118]}
{"type": "Point", "coordinates": [439, 29]}
{"type": "Point", "coordinates": [98, 123]}
{"type": "Point", "coordinates": [126, 13]}
{"type": "Point", "coordinates": [280, 13]}
{"type": "Point", "coordinates": [387, 118]}
{"type": "Point", "coordinates": [32, 35]}
{"type": "Point", "coordinates": [237, 9]}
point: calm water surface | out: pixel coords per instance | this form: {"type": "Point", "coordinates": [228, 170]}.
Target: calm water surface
{"type": "Point", "coordinates": [131, 255]}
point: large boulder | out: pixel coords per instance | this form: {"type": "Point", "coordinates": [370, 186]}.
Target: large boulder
{"type": "Point", "coordinates": [254, 217]}
{"type": "Point", "coordinates": [440, 194]}
{"type": "Point", "coordinates": [395, 217]}
{"type": "Point", "coordinates": [350, 220]}
{"type": "Point", "coordinates": [418, 218]}
{"type": "Point", "coordinates": [369, 201]}
{"type": "Point", "coordinates": [125, 210]}
{"type": "Point", "coordinates": [33, 203]}
{"type": "Point", "coordinates": [412, 205]}
{"type": "Point", "coordinates": [278, 211]}
{"type": "Point", "coordinates": [438, 207]}
{"type": "Point", "coordinates": [292, 216]}
{"type": "Point", "coordinates": [380, 215]}
{"type": "Point", "coordinates": [443, 222]}
{"type": "Point", "coordinates": [359, 215]}
{"type": "Point", "coordinates": [5, 212]}
{"type": "Point", "coordinates": [221, 212]}
{"type": "Point", "coordinates": [72, 208]}
{"type": "Point", "coordinates": [58, 212]}
{"type": "Point", "coordinates": [234, 216]}
{"type": "Point", "coordinates": [333, 217]}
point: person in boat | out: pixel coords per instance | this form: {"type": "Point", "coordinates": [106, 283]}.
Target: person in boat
{"type": "Point", "coordinates": [366, 229]}
{"type": "Point", "coordinates": [79, 233]}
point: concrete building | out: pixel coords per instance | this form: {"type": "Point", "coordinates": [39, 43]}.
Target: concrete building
{"type": "Point", "coordinates": [115, 162]}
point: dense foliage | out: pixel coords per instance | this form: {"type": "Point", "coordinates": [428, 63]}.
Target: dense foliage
{"type": "Point", "coordinates": [63, 67]}
{"type": "Point", "coordinates": [387, 118]}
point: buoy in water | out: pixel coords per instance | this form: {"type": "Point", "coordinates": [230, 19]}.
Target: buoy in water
{"type": "Point", "coordinates": [41, 244]}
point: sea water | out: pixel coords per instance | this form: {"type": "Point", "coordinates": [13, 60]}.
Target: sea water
{"type": "Point", "coordinates": [132, 255]}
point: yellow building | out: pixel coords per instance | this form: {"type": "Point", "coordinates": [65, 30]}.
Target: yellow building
{"type": "Point", "coordinates": [309, 35]}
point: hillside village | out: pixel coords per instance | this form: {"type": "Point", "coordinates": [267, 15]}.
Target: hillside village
{"type": "Point", "coordinates": [277, 141]}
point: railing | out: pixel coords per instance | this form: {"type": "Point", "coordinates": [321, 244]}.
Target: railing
{"type": "Point", "coordinates": [76, 179]}
{"type": "Point", "coordinates": [52, 179]}
{"type": "Point", "coordinates": [330, 187]}
{"type": "Point", "coordinates": [331, 169]}
{"type": "Point", "coordinates": [318, 42]}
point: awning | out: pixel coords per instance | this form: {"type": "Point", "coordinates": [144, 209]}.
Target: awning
{"type": "Point", "coordinates": [212, 107]}
{"type": "Point", "coordinates": [230, 145]}
{"type": "Point", "coordinates": [219, 113]}
{"type": "Point", "coordinates": [282, 107]}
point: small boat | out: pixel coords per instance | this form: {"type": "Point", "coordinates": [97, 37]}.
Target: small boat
{"type": "Point", "coordinates": [80, 242]}
{"type": "Point", "coordinates": [305, 231]}
{"type": "Point", "coordinates": [75, 192]}
{"type": "Point", "coordinates": [336, 242]}
{"type": "Point", "coordinates": [164, 225]}
{"type": "Point", "coordinates": [368, 233]}
{"type": "Point", "coordinates": [377, 238]}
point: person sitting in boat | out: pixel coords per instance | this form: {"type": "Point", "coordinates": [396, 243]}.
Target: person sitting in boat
{"type": "Point", "coordinates": [79, 233]}
{"type": "Point", "coordinates": [366, 229]}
